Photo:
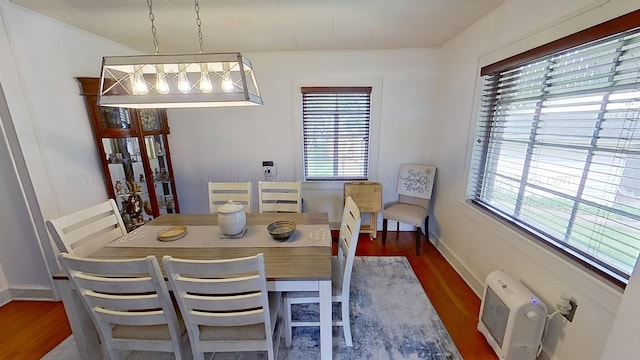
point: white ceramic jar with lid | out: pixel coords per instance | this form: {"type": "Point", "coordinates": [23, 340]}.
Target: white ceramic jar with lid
{"type": "Point", "coordinates": [232, 218]}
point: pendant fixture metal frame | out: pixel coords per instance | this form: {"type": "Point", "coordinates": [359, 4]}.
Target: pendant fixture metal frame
{"type": "Point", "coordinates": [122, 75]}
{"type": "Point", "coordinates": [179, 80]}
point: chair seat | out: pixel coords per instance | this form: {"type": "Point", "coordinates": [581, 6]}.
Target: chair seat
{"type": "Point", "coordinates": [248, 332]}
{"type": "Point", "coordinates": [406, 213]}
{"type": "Point", "coordinates": [148, 332]}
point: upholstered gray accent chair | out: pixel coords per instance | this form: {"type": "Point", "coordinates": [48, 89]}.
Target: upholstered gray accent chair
{"type": "Point", "coordinates": [415, 185]}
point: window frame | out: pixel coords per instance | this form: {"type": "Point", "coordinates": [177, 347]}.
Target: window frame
{"type": "Point", "coordinates": [343, 80]}
{"type": "Point", "coordinates": [611, 27]}
{"type": "Point", "coordinates": [335, 119]}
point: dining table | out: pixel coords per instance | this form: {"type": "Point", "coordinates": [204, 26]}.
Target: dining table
{"type": "Point", "coordinates": [301, 263]}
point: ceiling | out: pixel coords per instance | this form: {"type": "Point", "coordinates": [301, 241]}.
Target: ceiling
{"type": "Point", "coordinates": [269, 25]}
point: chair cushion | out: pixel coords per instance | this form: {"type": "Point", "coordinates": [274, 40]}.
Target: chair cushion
{"type": "Point", "coordinates": [147, 332]}
{"type": "Point", "coordinates": [247, 332]}
{"type": "Point", "coordinates": [406, 213]}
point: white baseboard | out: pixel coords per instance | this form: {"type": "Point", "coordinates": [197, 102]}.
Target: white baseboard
{"type": "Point", "coordinates": [474, 283]}
{"type": "Point", "coordinates": [31, 293]}
{"type": "Point", "coordinates": [5, 297]}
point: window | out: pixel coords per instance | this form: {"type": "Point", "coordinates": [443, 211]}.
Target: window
{"type": "Point", "coordinates": [335, 126]}
{"type": "Point", "coordinates": [557, 150]}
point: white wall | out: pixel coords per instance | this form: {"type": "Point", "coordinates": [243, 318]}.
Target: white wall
{"type": "Point", "coordinates": [58, 167]}
{"type": "Point", "coordinates": [5, 296]}
{"type": "Point", "coordinates": [16, 232]}
{"type": "Point", "coordinates": [54, 129]}
{"type": "Point", "coordinates": [623, 340]}
{"type": "Point", "coordinates": [229, 144]}
{"type": "Point", "coordinates": [474, 242]}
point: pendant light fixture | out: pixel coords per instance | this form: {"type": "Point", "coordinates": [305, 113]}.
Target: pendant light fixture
{"type": "Point", "coordinates": [178, 81]}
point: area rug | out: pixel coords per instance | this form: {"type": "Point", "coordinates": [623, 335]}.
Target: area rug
{"type": "Point", "coordinates": [391, 317]}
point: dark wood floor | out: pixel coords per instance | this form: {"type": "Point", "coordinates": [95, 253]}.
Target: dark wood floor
{"type": "Point", "coordinates": [30, 329]}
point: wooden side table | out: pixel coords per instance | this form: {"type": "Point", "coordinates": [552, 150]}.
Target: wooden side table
{"type": "Point", "coordinates": [368, 197]}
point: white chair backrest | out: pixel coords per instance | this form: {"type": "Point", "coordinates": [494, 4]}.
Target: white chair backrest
{"type": "Point", "coordinates": [123, 297]}
{"type": "Point", "coordinates": [348, 241]}
{"type": "Point", "coordinates": [85, 231]}
{"type": "Point", "coordinates": [416, 180]}
{"type": "Point", "coordinates": [229, 295]}
{"type": "Point", "coordinates": [279, 196]}
{"type": "Point", "coordinates": [222, 192]}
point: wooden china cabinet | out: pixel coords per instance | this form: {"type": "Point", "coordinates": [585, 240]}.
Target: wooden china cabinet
{"type": "Point", "coordinates": [135, 156]}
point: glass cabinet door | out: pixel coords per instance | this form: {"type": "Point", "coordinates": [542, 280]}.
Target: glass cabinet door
{"type": "Point", "coordinates": [149, 119]}
{"type": "Point", "coordinates": [114, 118]}
{"type": "Point", "coordinates": [126, 171]}
{"type": "Point", "coordinates": [156, 152]}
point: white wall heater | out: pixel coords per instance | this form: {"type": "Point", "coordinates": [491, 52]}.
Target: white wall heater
{"type": "Point", "coordinates": [511, 317]}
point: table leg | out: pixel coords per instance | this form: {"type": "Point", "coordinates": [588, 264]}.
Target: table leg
{"type": "Point", "coordinates": [84, 331]}
{"type": "Point", "coordinates": [326, 321]}
{"type": "Point", "coordinates": [374, 226]}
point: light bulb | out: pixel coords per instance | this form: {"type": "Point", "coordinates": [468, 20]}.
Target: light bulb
{"type": "Point", "coordinates": [227, 83]}
{"type": "Point", "coordinates": [139, 85]}
{"type": "Point", "coordinates": [205, 80]}
{"type": "Point", "coordinates": [162, 86]}
{"type": "Point", "coordinates": [183, 81]}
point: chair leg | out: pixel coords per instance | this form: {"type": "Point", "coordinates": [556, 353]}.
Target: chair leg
{"type": "Point", "coordinates": [286, 316]}
{"type": "Point", "coordinates": [384, 231]}
{"type": "Point", "coordinates": [346, 322]}
{"type": "Point", "coordinates": [426, 227]}
{"type": "Point", "coordinates": [418, 231]}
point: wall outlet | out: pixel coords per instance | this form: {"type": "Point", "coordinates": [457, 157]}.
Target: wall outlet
{"type": "Point", "coordinates": [569, 315]}
{"type": "Point", "coordinates": [268, 169]}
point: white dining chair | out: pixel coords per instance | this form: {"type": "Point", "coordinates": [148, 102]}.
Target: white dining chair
{"type": "Point", "coordinates": [279, 196]}
{"type": "Point", "coordinates": [129, 304]}
{"type": "Point", "coordinates": [225, 304]}
{"type": "Point", "coordinates": [85, 231]}
{"type": "Point", "coordinates": [341, 267]}
{"type": "Point", "coordinates": [222, 192]}
{"type": "Point", "coordinates": [415, 184]}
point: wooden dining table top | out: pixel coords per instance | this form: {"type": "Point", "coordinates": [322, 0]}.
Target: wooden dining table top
{"type": "Point", "coordinates": [281, 263]}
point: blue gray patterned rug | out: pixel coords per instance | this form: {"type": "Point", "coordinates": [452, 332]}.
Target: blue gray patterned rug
{"type": "Point", "coordinates": [391, 318]}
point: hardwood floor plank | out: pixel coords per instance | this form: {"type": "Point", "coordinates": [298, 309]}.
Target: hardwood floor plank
{"type": "Point", "coordinates": [30, 329]}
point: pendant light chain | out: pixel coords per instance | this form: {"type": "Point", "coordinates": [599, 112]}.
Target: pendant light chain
{"type": "Point", "coordinates": [153, 26]}
{"type": "Point", "coordinates": [199, 23]}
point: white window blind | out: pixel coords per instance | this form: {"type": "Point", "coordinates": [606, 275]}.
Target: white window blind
{"type": "Point", "coordinates": [336, 123]}
{"type": "Point", "coordinates": [557, 151]}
